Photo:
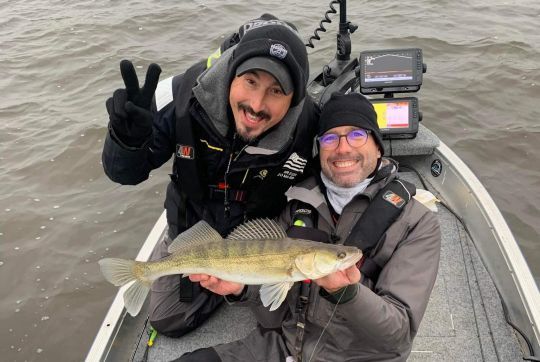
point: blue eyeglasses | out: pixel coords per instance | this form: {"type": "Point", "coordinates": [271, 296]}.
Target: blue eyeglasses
{"type": "Point", "coordinates": [355, 138]}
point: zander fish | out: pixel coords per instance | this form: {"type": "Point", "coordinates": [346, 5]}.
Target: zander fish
{"type": "Point", "coordinates": [257, 252]}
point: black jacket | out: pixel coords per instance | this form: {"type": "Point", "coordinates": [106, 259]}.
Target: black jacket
{"type": "Point", "coordinates": [197, 131]}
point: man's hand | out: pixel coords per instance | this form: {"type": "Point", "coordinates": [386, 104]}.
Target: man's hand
{"type": "Point", "coordinates": [337, 280]}
{"type": "Point", "coordinates": [218, 286]}
{"type": "Point", "coordinates": [129, 108]}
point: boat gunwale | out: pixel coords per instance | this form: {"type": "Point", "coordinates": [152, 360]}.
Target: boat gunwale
{"type": "Point", "coordinates": [115, 315]}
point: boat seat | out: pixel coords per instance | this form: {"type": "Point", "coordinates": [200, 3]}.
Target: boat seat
{"type": "Point", "coordinates": [424, 143]}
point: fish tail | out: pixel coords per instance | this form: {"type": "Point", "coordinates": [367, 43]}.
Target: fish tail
{"type": "Point", "coordinates": [117, 271]}
{"type": "Point", "coordinates": [120, 272]}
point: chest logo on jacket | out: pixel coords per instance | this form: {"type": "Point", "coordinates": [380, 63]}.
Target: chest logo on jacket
{"type": "Point", "coordinates": [262, 174]}
{"type": "Point", "coordinates": [186, 152]}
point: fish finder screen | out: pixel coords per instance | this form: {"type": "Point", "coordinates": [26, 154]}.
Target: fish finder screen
{"type": "Point", "coordinates": [392, 115]}
{"type": "Point", "coordinates": [389, 67]}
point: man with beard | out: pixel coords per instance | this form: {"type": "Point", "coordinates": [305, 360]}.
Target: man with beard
{"type": "Point", "coordinates": [240, 128]}
{"type": "Point", "coordinates": [370, 311]}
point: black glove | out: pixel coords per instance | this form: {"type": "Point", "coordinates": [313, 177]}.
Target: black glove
{"type": "Point", "coordinates": [129, 108]}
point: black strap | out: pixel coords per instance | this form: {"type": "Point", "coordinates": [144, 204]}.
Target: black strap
{"type": "Point", "coordinates": [304, 226]}
{"type": "Point", "coordinates": [370, 269]}
{"type": "Point", "coordinates": [186, 290]}
{"type": "Point", "coordinates": [299, 232]}
{"type": "Point", "coordinates": [301, 311]}
{"type": "Point", "coordinates": [382, 212]}
{"type": "Point", "coordinates": [185, 166]}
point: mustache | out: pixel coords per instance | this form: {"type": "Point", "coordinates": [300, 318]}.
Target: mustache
{"type": "Point", "coordinates": [261, 114]}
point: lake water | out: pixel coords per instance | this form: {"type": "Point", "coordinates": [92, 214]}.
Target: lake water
{"type": "Point", "coordinates": [59, 213]}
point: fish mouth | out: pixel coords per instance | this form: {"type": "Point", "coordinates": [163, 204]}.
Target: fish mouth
{"type": "Point", "coordinates": [351, 259]}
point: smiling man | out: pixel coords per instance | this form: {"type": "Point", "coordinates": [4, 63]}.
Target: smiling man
{"type": "Point", "coordinates": [240, 129]}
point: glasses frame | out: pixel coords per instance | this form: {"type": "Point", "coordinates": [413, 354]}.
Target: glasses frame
{"type": "Point", "coordinates": [327, 147]}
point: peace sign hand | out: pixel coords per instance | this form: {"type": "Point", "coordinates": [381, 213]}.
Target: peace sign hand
{"type": "Point", "coordinates": [130, 108]}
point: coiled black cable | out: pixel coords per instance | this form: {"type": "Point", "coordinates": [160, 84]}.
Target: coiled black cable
{"type": "Point", "coordinates": [321, 27]}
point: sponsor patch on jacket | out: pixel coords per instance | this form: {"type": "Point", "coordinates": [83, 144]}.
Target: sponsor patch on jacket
{"type": "Point", "coordinates": [262, 174]}
{"type": "Point", "coordinates": [394, 199]}
{"type": "Point", "coordinates": [293, 166]}
{"type": "Point", "coordinates": [184, 151]}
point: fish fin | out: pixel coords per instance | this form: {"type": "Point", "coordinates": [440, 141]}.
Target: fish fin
{"type": "Point", "coordinates": [308, 266]}
{"type": "Point", "coordinates": [258, 229]}
{"type": "Point", "coordinates": [274, 294]}
{"type": "Point", "coordinates": [117, 271]}
{"type": "Point", "coordinates": [134, 297]}
{"type": "Point", "coordinates": [200, 233]}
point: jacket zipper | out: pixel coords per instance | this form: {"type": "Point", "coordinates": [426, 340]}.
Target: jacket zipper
{"type": "Point", "coordinates": [226, 203]}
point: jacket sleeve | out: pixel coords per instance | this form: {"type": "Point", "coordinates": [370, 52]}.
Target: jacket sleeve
{"type": "Point", "coordinates": [132, 165]}
{"type": "Point", "coordinates": [390, 314]}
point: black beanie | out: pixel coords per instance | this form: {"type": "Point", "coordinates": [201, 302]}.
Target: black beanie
{"type": "Point", "coordinates": [351, 109]}
{"type": "Point", "coordinates": [270, 37]}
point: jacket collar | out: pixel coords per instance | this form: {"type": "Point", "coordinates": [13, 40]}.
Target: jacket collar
{"type": "Point", "coordinates": [311, 192]}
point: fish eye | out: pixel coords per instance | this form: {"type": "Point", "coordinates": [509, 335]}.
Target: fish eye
{"type": "Point", "coordinates": [341, 255]}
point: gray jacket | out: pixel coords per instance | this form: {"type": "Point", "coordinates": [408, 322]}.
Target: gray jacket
{"type": "Point", "coordinates": [377, 322]}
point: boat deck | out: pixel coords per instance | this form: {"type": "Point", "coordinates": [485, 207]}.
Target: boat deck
{"type": "Point", "coordinates": [464, 320]}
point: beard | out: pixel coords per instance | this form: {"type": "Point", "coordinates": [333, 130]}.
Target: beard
{"type": "Point", "coordinates": [248, 134]}
{"type": "Point", "coordinates": [341, 180]}
{"type": "Point", "coordinates": [244, 135]}
{"type": "Point", "coordinates": [354, 177]}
